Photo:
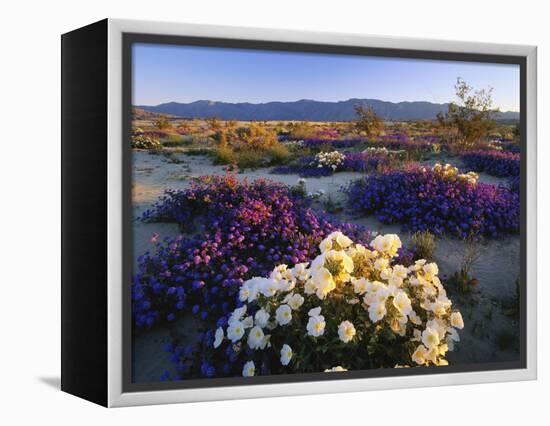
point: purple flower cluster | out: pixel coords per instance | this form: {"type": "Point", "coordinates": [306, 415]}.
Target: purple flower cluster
{"type": "Point", "coordinates": [365, 162]}
{"type": "Point", "coordinates": [335, 143]}
{"type": "Point", "coordinates": [237, 230]}
{"type": "Point", "coordinates": [405, 145]}
{"type": "Point", "coordinates": [423, 200]}
{"type": "Point", "coordinates": [496, 163]}
{"type": "Point", "coordinates": [353, 162]}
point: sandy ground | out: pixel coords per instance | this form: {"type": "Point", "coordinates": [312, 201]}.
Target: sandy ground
{"type": "Point", "coordinates": [489, 335]}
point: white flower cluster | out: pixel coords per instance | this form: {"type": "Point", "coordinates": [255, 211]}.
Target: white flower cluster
{"type": "Point", "coordinates": [409, 302]}
{"type": "Point", "coordinates": [376, 150]}
{"type": "Point", "coordinates": [294, 144]}
{"type": "Point", "coordinates": [495, 144]}
{"type": "Point", "coordinates": [450, 172]}
{"type": "Point", "coordinates": [331, 160]}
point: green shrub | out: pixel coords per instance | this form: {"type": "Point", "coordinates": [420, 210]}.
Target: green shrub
{"type": "Point", "coordinates": [302, 130]}
{"type": "Point", "coordinates": [224, 155]}
{"type": "Point", "coordinates": [162, 123]}
{"type": "Point", "coordinates": [250, 159]}
{"type": "Point", "coordinates": [175, 140]}
{"type": "Point", "coordinates": [279, 153]}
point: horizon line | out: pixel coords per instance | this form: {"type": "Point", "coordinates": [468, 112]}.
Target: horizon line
{"type": "Point", "coordinates": [298, 100]}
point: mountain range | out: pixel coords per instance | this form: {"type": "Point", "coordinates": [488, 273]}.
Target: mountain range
{"type": "Point", "coordinates": [305, 110]}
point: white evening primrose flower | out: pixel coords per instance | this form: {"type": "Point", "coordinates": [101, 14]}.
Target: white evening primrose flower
{"type": "Point", "coordinates": [310, 287]}
{"type": "Point", "coordinates": [268, 287]}
{"type": "Point", "coordinates": [316, 325]}
{"type": "Point", "coordinates": [440, 306]}
{"type": "Point", "coordinates": [295, 301]}
{"type": "Point", "coordinates": [255, 338]}
{"type": "Point", "coordinates": [386, 274]}
{"type": "Point", "coordinates": [283, 314]}
{"type": "Point", "coordinates": [400, 271]}
{"type": "Point", "coordinates": [248, 369]}
{"type": "Point", "coordinates": [377, 243]}
{"type": "Point", "coordinates": [286, 354]}
{"type": "Point", "coordinates": [438, 325]}
{"type": "Point", "coordinates": [335, 369]}
{"type": "Point", "coordinates": [342, 240]}
{"type": "Point", "coordinates": [378, 293]}
{"type": "Point", "coordinates": [237, 314]}
{"type": "Point", "coordinates": [388, 243]}
{"type": "Point", "coordinates": [360, 285]}
{"type": "Point", "coordinates": [417, 265]}
{"type": "Point", "coordinates": [325, 245]}
{"type": "Point", "coordinates": [457, 321]}
{"type": "Point", "coordinates": [430, 269]}
{"type": "Point", "coordinates": [430, 338]}
{"type": "Point", "coordinates": [402, 303]}
{"type": "Point", "coordinates": [249, 291]}
{"type": "Point", "coordinates": [244, 292]}
{"type": "Point", "coordinates": [235, 331]}
{"type": "Point", "coordinates": [377, 311]}
{"type": "Point", "coordinates": [323, 281]}
{"type": "Point", "coordinates": [340, 256]}
{"type": "Point", "coordinates": [218, 337]}
{"type": "Point", "coordinates": [346, 331]}
{"type": "Point", "coordinates": [300, 272]}
{"type": "Point", "coordinates": [419, 355]}
{"type": "Point", "coordinates": [381, 263]}
{"type": "Point", "coordinates": [261, 318]}
{"type": "Point", "coordinates": [282, 276]}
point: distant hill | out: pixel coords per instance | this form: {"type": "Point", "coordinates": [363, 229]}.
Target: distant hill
{"type": "Point", "coordinates": [305, 110]}
{"type": "Point", "coordinates": [141, 114]}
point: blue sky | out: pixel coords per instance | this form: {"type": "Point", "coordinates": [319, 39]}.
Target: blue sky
{"type": "Point", "coordinates": [164, 73]}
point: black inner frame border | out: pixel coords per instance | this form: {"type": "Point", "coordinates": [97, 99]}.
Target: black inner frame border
{"type": "Point", "coordinates": [129, 39]}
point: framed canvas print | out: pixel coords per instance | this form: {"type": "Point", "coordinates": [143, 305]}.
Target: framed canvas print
{"type": "Point", "coordinates": [251, 213]}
